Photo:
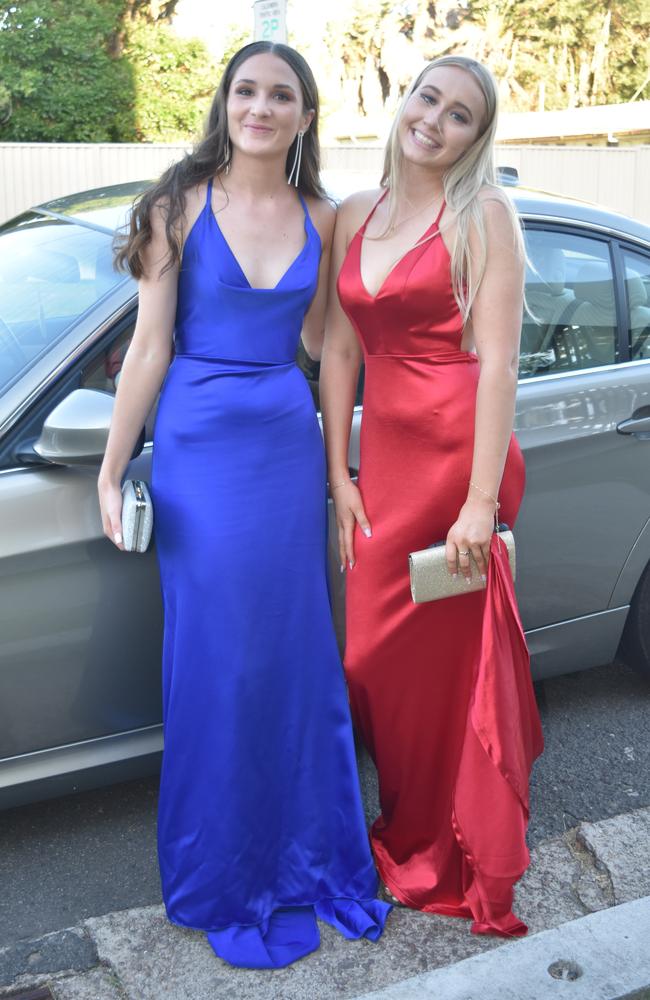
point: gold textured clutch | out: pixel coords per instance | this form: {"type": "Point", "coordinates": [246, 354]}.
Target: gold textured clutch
{"type": "Point", "coordinates": [431, 580]}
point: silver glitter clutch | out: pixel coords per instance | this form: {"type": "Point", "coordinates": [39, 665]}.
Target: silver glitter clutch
{"type": "Point", "coordinates": [431, 580]}
{"type": "Point", "coordinates": [137, 516]}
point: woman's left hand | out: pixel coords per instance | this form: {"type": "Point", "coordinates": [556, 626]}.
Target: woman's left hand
{"type": "Point", "coordinates": [471, 533]}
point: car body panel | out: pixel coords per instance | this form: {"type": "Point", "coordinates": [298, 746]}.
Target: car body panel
{"type": "Point", "coordinates": [588, 489]}
{"type": "Point", "coordinates": [61, 770]}
{"type": "Point", "coordinates": [81, 623]}
{"type": "Point", "coordinates": [577, 644]}
{"type": "Point", "coordinates": [631, 572]}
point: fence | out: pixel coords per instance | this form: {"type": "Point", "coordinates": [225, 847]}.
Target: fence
{"type": "Point", "coordinates": [31, 173]}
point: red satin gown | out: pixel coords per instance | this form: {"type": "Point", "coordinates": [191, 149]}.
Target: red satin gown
{"type": "Point", "coordinates": [441, 692]}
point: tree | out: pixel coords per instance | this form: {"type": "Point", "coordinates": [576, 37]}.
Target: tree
{"type": "Point", "coordinates": [562, 55]}
{"type": "Point", "coordinates": [557, 55]}
{"type": "Point", "coordinates": [109, 71]}
{"type": "Point", "coordinates": [173, 78]}
{"type": "Point", "coordinates": [62, 83]}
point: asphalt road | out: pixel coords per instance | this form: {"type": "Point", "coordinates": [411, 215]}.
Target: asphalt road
{"type": "Point", "coordinates": [89, 854]}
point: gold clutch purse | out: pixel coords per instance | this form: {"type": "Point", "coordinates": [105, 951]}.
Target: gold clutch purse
{"type": "Point", "coordinates": [431, 580]}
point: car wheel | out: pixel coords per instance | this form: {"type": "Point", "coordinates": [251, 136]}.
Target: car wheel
{"type": "Point", "coordinates": [635, 644]}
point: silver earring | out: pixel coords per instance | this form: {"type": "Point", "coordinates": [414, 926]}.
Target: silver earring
{"type": "Point", "coordinates": [296, 160]}
{"type": "Point", "coordinates": [228, 155]}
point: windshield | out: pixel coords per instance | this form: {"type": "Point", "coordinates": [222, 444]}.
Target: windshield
{"type": "Point", "coordinates": [52, 272]}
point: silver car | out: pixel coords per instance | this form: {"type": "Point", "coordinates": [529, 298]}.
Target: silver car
{"type": "Point", "coordinates": [80, 622]}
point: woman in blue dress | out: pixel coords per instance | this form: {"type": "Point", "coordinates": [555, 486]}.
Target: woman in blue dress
{"type": "Point", "coordinates": [260, 824]}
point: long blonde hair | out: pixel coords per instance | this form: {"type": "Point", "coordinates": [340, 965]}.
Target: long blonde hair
{"type": "Point", "coordinates": [465, 178]}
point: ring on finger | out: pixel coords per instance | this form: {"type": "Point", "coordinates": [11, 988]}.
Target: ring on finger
{"type": "Point", "coordinates": [461, 552]}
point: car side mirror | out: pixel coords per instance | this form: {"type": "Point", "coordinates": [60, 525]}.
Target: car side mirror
{"type": "Point", "coordinates": [75, 432]}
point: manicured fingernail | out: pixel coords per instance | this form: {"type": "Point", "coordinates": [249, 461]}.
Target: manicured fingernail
{"type": "Point", "coordinates": [454, 575]}
{"type": "Point", "coordinates": [118, 538]}
{"type": "Point", "coordinates": [468, 580]}
{"type": "Point", "coordinates": [342, 568]}
{"type": "Point", "coordinates": [351, 564]}
{"type": "Point", "coordinates": [367, 532]}
{"type": "Point", "coordinates": [483, 578]}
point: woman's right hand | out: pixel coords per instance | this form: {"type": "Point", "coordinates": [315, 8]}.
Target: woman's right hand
{"type": "Point", "coordinates": [110, 505]}
{"type": "Point", "coordinates": [349, 510]}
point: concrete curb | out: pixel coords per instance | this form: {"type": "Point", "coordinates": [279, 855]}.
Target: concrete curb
{"type": "Point", "coordinates": [603, 956]}
{"type": "Point", "coordinates": [594, 870]}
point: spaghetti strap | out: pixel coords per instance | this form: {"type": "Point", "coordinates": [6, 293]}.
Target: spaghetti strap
{"type": "Point", "coordinates": [305, 209]}
{"type": "Point", "coordinates": [439, 215]}
{"type": "Point", "coordinates": [372, 212]}
{"type": "Point", "coordinates": [208, 197]}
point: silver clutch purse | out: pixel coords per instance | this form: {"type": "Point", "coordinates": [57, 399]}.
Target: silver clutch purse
{"type": "Point", "coordinates": [137, 516]}
{"type": "Point", "coordinates": [431, 580]}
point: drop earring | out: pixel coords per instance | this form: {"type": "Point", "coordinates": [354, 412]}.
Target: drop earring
{"type": "Point", "coordinates": [296, 160]}
{"type": "Point", "coordinates": [228, 156]}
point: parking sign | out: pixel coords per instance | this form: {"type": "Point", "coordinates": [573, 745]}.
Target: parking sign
{"type": "Point", "coordinates": [271, 20]}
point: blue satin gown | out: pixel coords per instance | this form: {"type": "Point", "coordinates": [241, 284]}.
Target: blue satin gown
{"type": "Point", "coordinates": [260, 825]}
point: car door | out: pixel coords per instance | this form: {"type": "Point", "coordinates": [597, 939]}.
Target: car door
{"type": "Point", "coordinates": [80, 622]}
{"type": "Point", "coordinates": [588, 485]}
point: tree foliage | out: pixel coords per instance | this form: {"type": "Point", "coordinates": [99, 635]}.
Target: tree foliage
{"type": "Point", "coordinates": [55, 64]}
{"type": "Point", "coordinates": [174, 79]}
{"type": "Point", "coordinates": [115, 70]}
{"type": "Point", "coordinates": [551, 56]}
{"type": "Point", "coordinates": [107, 71]}
{"type": "Point", "coordinates": [563, 55]}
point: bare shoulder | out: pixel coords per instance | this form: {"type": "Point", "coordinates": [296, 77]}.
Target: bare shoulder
{"type": "Point", "coordinates": [355, 209]}
{"type": "Point", "coordinates": [195, 199]}
{"type": "Point", "coordinates": [195, 196]}
{"type": "Point", "coordinates": [501, 228]}
{"type": "Point", "coordinates": [496, 208]}
{"type": "Point", "coordinates": [158, 216]}
{"type": "Point", "coordinates": [323, 215]}
{"type": "Point", "coordinates": [357, 205]}
{"type": "Point", "coordinates": [155, 253]}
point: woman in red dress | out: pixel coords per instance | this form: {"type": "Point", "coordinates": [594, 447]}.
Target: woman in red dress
{"type": "Point", "coordinates": [429, 294]}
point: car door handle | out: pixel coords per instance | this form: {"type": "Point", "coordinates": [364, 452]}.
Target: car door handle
{"type": "Point", "coordinates": [638, 424]}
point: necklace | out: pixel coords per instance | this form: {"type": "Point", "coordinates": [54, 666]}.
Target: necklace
{"type": "Point", "coordinates": [414, 215]}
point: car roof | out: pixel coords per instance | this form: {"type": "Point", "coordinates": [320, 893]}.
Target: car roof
{"type": "Point", "coordinates": [104, 208]}
{"type": "Point", "coordinates": [108, 207]}
{"type": "Point", "coordinates": [542, 204]}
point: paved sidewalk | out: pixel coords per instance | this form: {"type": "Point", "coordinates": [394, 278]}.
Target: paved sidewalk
{"type": "Point", "coordinates": [582, 897]}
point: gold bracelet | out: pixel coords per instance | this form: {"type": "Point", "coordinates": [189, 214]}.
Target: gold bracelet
{"type": "Point", "coordinates": [486, 494]}
{"type": "Point", "coordinates": [337, 486]}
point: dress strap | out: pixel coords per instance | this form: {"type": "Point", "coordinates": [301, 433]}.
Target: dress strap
{"type": "Point", "coordinates": [304, 207]}
{"type": "Point", "coordinates": [310, 228]}
{"type": "Point", "coordinates": [372, 211]}
{"type": "Point", "coordinates": [439, 215]}
{"type": "Point", "coordinates": [208, 197]}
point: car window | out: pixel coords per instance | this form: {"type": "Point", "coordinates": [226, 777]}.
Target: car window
{"type": "Point", "coordinates": [570, 318]}
{"type": "Point", "coordinates": [103, 371]}
{"type": "Point", "coordinates": [51, 273]}
{"type": "Point", "coordinates": [637, 287]}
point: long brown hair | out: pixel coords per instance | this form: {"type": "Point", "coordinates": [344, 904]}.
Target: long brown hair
{"type": "Point", "coordinates": [211, 156]}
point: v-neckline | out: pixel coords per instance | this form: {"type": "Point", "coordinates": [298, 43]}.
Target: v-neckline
{"type": "Point", "coordinates": [256, 288]}
{"type": "Point", "coordinates": [362, 232]}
